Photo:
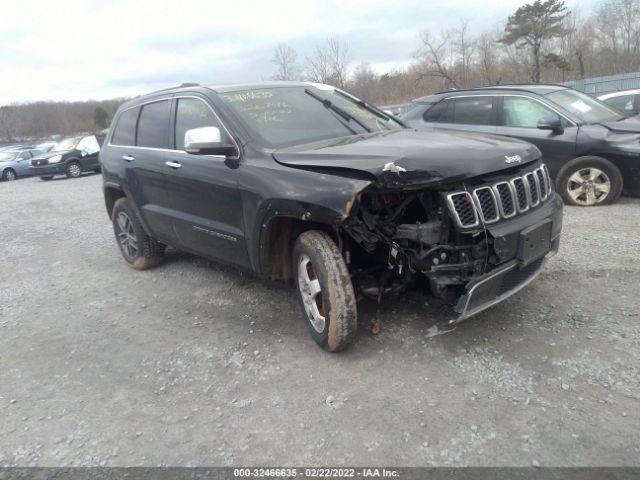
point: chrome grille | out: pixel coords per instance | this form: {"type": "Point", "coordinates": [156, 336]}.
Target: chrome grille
{"type": "Point", "coordinates": [507, 199]}
{"type": "Point", "coordinates": [533, 189]}
{"type": "Point", "coordinates": [501, 200]}
{"type": "Point", "coordinates": [487, 203]}
{"type": "Point", "coordinates": [462, 204]}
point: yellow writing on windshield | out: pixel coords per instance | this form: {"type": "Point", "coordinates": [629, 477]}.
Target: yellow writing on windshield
{"type": "Point", "coordinates": [266, 112]}
{"type": "Point", "coordinates": [247, 96]}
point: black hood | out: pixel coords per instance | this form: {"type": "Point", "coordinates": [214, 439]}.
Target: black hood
{"type": "Point", "coordinates": [626, 125]}
{"type": "Point", "coordinates": [52, 154]}
{"type": "Point", "coordinates": [410, 157]}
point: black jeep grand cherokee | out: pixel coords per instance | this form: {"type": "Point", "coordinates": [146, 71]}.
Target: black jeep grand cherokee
{"type": "Point", "coordinates": [304, 182]}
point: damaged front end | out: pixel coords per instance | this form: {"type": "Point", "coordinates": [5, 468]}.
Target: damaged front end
{"type": "Point", "coordinates": [469, 245]}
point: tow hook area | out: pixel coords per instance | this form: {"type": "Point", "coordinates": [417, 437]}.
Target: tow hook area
{"type": "Point", "coordinates": [442, 327]}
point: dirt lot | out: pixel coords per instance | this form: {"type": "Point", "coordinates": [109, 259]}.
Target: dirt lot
{"type": "Point", "coordinates": [198, 364]}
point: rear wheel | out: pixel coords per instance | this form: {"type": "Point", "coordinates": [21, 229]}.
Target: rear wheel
{"type": "Point", "coordinates": [47, 178]}
{"type": "Point", "coordinates": [325, 291]}
{"type": "Point", "coordinates": [589, 181]}
{"type": "Point", "coordinates": [73, 169]}
{"type": "Point", "coordinates": [139, 250]}
{"type": "Point", "coordinates": [8, 175]}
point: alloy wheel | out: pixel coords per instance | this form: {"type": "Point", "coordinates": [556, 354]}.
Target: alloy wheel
{"type": "Point", "coordinates": [127, 235]}
{"type": "Point", "coordinates": [9, 175]}
{"type": "Point", "coordinates": [74, 170]}
{"type": "Point", "coordinates": [311, 293]}
{"type": "Point", "coordinates": [589, 186]}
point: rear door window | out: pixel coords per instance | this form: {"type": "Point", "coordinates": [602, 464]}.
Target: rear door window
{"type": "Point", "coordinates": [153, 125]}
{"type": "Point", "coordinates": [125, 130]}
{"type": "Point", "coordinates": [436, 112]}
{"type": "Point", "coordinates": [472, 111]}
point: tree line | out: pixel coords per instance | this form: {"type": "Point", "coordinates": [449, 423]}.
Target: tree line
{"type": "Point", "coordinates": [38, 120]}
{"type": "Point", "coordinates": [541, 41]}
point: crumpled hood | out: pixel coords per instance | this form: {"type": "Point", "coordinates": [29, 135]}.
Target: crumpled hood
{"type": "Point", "coordinates": [627, 125]}
{"type": "Point", "coordinates": [410, 157]}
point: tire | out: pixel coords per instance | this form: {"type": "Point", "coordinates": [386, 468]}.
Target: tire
{"type": "Point", "coordinates": [325, 291]}
{"type": "Point", "coordinates": [73, 169]}
{"type": "Point", "coordinates": [97, 170]}
{"type": "Point", "coordinates": [589, 181]}
{"type": "Point", "coordinates": [139, 250]}
{"type": "Point", "coordinates": [9, 175]}
{"type": "Point", "coordinates": [47, 178]}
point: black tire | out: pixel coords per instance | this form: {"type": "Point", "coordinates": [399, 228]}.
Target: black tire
{"type": "Point", "coordinates": [47, 178]}
{"type": "Point", "coordinates": [148, 252]}
{"type": "Point", "coordinates": [73, 169]}
{"type": "Point", "coordinates": [579, 183]}
{"type": "Point", "coordinates": [317, 254]}
{"type": "Point", "coordinates": [9, 174]}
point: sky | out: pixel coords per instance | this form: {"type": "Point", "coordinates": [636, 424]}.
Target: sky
{"type": "Point", "coordinates": [81, 50]}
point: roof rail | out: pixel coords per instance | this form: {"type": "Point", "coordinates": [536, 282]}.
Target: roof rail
{"type": "Point", "coordinates": [182, 85]}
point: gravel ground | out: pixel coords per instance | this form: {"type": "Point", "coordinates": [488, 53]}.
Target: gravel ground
{"type": "Point", "coordinates": [194, 363]}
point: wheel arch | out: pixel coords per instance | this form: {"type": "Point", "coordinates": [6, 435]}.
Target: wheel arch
{"type": "Point", "coordinates": [277, 237]}
{"type": "Point", "coordinates": [112, 192]}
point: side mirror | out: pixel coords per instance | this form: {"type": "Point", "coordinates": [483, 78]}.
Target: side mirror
{"type": "Point", "coordinates": [206, 141]}
{"type": "Point", "coordinates": [551, 123]}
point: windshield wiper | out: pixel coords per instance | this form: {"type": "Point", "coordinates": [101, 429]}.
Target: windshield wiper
{"type": "Point", "coordinates": [371, 109]}
{"type": "Point", "coordinates": [343, 113]}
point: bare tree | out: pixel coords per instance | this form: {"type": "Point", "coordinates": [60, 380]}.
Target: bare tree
{"type": "Point", "coordinates": [435, 58]}
{"type": "Point", "coordinates": [329, 63]}
{"type": "Point", "coordinates": [285, 58]}
{"type": "Point", "coordinates": [464, 49]}
{"type": "Point", "coordinates": [618, 25]}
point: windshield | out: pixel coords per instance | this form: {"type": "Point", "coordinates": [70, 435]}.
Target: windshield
{"type": "Point", "coordinates": [586, 108]}
{"type": "Point", "coordinates": [293, 115]}
{"type": "Point", "coordinates": [7, 156]}
{"type": "Point", "coordinates": [66, 144]}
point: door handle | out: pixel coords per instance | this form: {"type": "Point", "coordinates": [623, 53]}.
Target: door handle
{"type": "Point", "coordinates": [128, 158]}
{"type": "Point", "coordinates": [173, 164]}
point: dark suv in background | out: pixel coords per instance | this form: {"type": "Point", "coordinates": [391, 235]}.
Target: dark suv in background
{"type": "Point", "coordinates": [304, 182]}
{"type": "Point", "coordinates": [591, 149]}
{"type": "Point", "coordinates": [70, 156]}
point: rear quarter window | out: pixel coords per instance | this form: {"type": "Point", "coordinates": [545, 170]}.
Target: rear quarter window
{"type": "Point", "coordinates": [125, 129]}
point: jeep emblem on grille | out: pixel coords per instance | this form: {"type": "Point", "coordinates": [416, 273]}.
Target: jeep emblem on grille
{"type": "Point", "coordinates": [512, 158]}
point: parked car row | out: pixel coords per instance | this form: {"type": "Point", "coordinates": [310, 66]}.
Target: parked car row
{"type": "Point", "coordinates": [71, 157]}
{"type": "Point", "coordinates": [592, 149]}
{"type": "Point", "coordinates": [627, 101]}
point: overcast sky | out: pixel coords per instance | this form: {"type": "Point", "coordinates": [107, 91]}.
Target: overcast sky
{"type": "Point", "coordinates": [80, 50]}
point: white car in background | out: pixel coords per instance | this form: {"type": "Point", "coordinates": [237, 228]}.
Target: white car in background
{"type": "Point", "coordinates": [627, 101]}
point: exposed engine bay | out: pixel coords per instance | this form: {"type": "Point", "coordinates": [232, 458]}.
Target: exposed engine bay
{"type": "Point", "coordinates": [411, 236]}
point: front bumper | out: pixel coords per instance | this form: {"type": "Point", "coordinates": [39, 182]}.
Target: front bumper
{"type": "Point", "coordinates": [45, 170]}
{"type": "Point", "coordinates": [523, 266]}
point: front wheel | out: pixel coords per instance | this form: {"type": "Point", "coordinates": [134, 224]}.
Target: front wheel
{"type": "Point", "coordinates": [589, 181]}
{"type": "Point", "coordinates": [9, 175]}
{"type": "Point", "coordinates": [325, 291]}
{"type": "Point", "coordinates": [138, 249]}
{"type": "Point", "coordinates": [73, 169]}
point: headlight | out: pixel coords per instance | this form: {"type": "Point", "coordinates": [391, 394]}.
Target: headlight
{"type": "Point", "coordinates": [55, 159]}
